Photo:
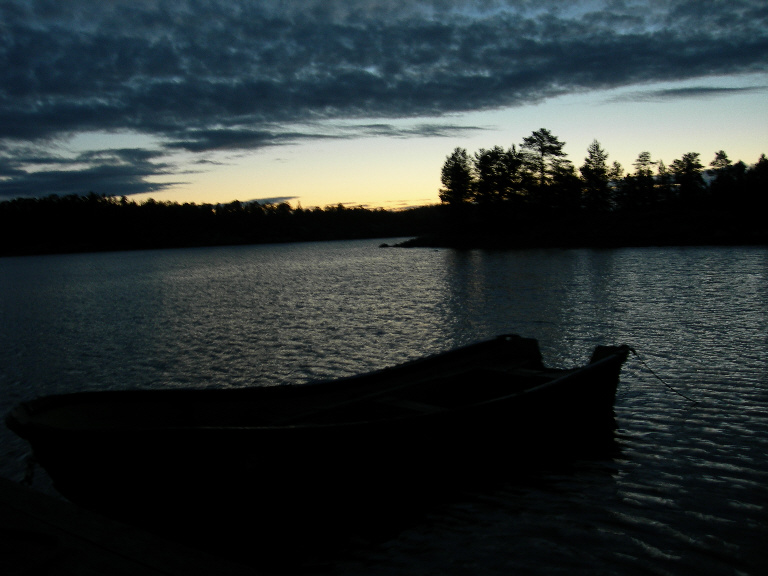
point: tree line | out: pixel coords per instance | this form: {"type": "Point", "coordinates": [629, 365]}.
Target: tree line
{"type": "Point", "coordinates": [538, 174]}
{"type": "Point", "coordinates": [97, 222]}
{"type": "Point", "coordinates": [533, 195]}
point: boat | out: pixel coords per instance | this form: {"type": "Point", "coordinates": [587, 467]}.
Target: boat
{"type": "Point", "coordinates": [175, 456]}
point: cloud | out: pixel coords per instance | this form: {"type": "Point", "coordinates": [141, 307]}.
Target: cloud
{"type": "Point", "coordinates": [211, 139]}
{"type": "Point", "coordinates": [422, 130]}
{"type": "Point", "coordinates": [202, 75]}
{"type": "Point", "coordinates": [114, 172]}
{"type": "Point", "coordinates": [274, 200]}
{"type": "Point", "coordinates": [689, 92]}
{"type": "Point", "coordinates": [207, 140]}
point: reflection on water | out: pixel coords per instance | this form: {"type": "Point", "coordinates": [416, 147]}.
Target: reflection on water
{"type": "Point", "coordinates": [687, 493]}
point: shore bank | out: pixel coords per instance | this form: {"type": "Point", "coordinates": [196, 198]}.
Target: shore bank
{"type": "Point", "coordinates": [599, 231]}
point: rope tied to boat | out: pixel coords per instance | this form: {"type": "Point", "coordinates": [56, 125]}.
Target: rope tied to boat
{"type": "Point", "coordinates": [659, 378]}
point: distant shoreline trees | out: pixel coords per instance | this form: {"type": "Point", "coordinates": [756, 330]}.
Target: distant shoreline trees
{"type": "Point", "coordinates": [532, 195]}
{"type": "Point", "coordinates": [73, 223]}
{"type": "Point", "coordinates": [538, 174]}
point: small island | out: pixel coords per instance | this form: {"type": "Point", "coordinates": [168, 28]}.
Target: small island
{"type": "Point", "coordinates": [532, 196]}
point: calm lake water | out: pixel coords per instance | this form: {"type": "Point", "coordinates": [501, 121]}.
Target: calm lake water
{"type": "Point", "coordinates": [687, 494]}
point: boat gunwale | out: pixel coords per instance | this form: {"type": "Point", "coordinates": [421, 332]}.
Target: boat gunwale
{"type": "Point", "coordinates": [565, 374]}
{"type": "Point", "coordinates": [24, 413]}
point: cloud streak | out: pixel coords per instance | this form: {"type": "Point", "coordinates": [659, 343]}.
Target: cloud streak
{"type": "Point", "coordinates": [123, 172]}
{"type": "Point", "coordinates": [688, 92]}
{"type": "Point", "coordinates": [205, 75]}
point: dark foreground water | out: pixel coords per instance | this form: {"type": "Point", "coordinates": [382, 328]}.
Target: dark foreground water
{"type": "Point", "coordinates": [686, 493]}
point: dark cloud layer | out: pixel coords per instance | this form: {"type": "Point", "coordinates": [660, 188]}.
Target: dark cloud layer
{"type": "Point", "coordinates": [204, 75]}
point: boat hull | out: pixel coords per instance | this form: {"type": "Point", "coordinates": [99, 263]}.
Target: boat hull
{"type": "Point", "coordinates": [177, 478]}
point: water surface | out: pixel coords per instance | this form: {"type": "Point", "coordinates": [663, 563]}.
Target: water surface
{"type": "Point", "coordinates": [686, 494]}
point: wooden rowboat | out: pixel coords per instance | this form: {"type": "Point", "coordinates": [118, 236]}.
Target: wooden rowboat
{"type": "Point", "coordinates": [148, 456]}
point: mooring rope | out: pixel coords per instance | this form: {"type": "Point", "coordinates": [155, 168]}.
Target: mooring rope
{"type": "Point", "coordinates": [659, 378]}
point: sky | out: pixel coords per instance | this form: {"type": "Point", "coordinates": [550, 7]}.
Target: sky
{"type": "Point", "coordinates": [359, 102]}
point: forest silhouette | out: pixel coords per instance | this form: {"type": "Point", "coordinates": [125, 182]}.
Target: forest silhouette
{"type": "Point", "coordinates": [73, 223]}
{"type": "Point", "coordinates": [526, 196]}
{"type": "Point", "coordinates": [532, 195]}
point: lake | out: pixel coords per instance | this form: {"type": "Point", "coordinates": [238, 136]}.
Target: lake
{"type": "Point", "coordinates": [686, 494]}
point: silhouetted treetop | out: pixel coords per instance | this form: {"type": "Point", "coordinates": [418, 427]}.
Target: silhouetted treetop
{"type": "Point", "coordinates": [456, 176]}
{"type": "Point", "coordinates": [596, 179]}
{"type": "Point", "coordinates": [542, 151]}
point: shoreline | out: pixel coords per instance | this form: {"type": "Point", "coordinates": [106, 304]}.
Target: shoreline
{"type": "Point", "coordinates": [434, 227]}
{"type": "Point", "coordinates": [601, 231]}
